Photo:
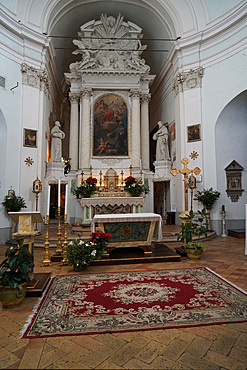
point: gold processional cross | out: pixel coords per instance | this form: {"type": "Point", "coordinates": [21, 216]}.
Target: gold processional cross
{"type": "Point", "coordinates": [185, 172]}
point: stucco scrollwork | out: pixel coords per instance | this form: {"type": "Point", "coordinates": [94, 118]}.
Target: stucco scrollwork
{"type": "Point", "coordinates": [109, 45]}
{"type": "Point", "coordinates": [35, 77]}
{"type": "Point", "coordinates": [187, 80]}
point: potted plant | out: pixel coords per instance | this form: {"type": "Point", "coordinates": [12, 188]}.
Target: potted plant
{"type": "Point", "coordinates": [100, 240]}
{"type": "Point", "coordinates": [13, 203]}
{"type": "Point", "coordinates": [193, 227]}
{"type": "Point", "coordinates": [134, 187]}
{"type": "Point", "coordinates": [80, 254]}
{"type": "Point", "coordinates": [87, 188]}
{"type": "Point", "coordinates": [14, 274]}
{"type": "Point", "coordinates": [207, 198]}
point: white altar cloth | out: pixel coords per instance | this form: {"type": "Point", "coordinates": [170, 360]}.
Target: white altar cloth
{"type": "Point", "coordinates": [131, 217]}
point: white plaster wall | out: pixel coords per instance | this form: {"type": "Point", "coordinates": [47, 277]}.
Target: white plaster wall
{"type": "Point", "coordinates": [11, 114]}
{"type": "Point", "coordinates": [221, 83]}
{"type": "Point", "coordinates": [231, 139]}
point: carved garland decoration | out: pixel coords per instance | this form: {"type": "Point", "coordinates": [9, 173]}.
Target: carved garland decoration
{"type": "Point", "coordinates": [35, 77]}
{"type": "Point", "coordinates": [187, 80]}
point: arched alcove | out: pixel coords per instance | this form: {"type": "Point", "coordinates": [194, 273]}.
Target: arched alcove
{"type": "Point", "coordinates": [231, 139]}
{"type": "Point", "coordinates": [3, 141]}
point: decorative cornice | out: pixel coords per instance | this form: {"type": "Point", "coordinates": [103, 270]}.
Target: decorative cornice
{"type": "Point", "coordinates": [35, 77]}
{"type": "Point", "coordinates": [188, 80]}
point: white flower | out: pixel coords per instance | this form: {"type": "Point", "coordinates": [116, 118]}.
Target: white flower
{"type": "Point", "coordinates": [81, 242]}
{"type": "Point", "coordinates": [70, 243]}
{"type": "Point", "coordinates": [94, 253]}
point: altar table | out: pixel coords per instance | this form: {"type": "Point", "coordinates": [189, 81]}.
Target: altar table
{"type": "Point", "coordinates": [130, 230]}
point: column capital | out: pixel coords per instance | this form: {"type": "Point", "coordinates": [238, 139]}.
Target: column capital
{"type": "Point", "coordinates": [146, 98]}
{"type": "Point", "coordinates": [86, 92]}
{"type": "Point", "coordinates": [74, 97]}
{"type": "Point", "coordinates": [135, 93]}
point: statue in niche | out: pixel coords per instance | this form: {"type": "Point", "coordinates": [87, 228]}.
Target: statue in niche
{"type": "Point", "coordinates": [57, 136]}
{"type": "Point", "coordinates": [162, 150]}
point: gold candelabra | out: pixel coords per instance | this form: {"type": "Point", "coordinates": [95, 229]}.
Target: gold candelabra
{"type": "Point", "coordinates": [59, 234]}
{"type": "Point", "coordinates": [47, 257]}
{"type": "Point", "coordinates": [65, 243]}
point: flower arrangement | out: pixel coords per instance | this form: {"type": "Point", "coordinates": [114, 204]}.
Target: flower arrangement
{"type": "Point", "coordinates": [87, 188]}
{"type": "Point", "coordinates": [80, 254]}
{"type": "Point", "coordinates": [134, 187]}
{"type": "Point", "coordinates": [100, 240]}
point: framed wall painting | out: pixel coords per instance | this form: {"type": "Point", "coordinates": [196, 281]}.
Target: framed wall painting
{"type": "Point", "coordinates": [194, 133]}
{"type": "Point", "coordinates": [110, 126]}
{"type": "Point", "coordinates": [30, 138]}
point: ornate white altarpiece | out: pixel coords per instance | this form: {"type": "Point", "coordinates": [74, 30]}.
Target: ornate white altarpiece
{"type": "Point", "coordinates": [109, 96]}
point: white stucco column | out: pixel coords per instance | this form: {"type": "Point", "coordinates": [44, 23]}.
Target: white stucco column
{"type": "Point", "coordinates": [85, 129]}
{"type": "Point", "coordinates": [74, 131]}
{"type": "Point", "coordinates": [145, 131]}
{"type": "Point", "coordinates": [136, 129]}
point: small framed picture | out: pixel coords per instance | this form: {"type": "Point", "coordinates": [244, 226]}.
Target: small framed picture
{"type": "Point", "coordinates": [30, 138]}
{"type": "Point", "coordinates": [194, 133]}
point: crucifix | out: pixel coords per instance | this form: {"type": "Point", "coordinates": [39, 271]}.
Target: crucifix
{"type": "Point", "coordinates": [185, 172]}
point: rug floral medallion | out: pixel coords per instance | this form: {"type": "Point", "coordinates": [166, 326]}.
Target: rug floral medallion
{"type": "Point", "coordinates": [131, 301]}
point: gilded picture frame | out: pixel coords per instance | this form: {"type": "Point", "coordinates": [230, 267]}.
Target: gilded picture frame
{"type": "Point", "coordinates": [30, 138]}
{"type": "Point", "coordinates": [110, 127]}
{"type": "Point", "coordinates": [193, 133]}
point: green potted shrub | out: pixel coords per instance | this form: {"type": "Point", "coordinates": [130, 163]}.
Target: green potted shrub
{"type": "Point", "coordinates": [13, 203]}
{"type": "Point", "coordinates": [207, 198]}
{"type": "Point", "coordinates": [193, 227]}
{"type": "Point", "coordinates": [80, 254]}
{"type": "Point", "coordinates": [134, 187]}
{"type": "Point", "coordinates": [14, 274]}
{"type": "Point", "coordinates": [87, 188]}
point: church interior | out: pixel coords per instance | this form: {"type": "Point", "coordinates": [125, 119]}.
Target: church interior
{"type": "Point", "coordinates": [115, 116]}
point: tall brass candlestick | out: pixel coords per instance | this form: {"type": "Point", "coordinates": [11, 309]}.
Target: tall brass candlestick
{"type": "Point", "coordinates": [47, 256]}
{"type": "Point", "coordinates": [65, 243]}
{"type": "Point", "coordinates": [59, 234]}
{"type": "Point", "coordinates": [122, 180]}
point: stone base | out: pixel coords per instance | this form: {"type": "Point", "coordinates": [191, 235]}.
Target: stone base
{"type": "Point", "coordinates": [55, 170]}
{"type": "Point", "coordinates": [162, 170]}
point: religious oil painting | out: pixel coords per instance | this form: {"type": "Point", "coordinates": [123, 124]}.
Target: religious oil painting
{"type": "Point", "coordinates": [194, 133]}
{"type": "Point", "coordinates": [30, 138]}
{"type": "Point", "coordinates": [110, 134]}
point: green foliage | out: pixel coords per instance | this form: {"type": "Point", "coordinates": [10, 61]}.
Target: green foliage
{"type": "Point", "coordinates": [194, 247]}
{"type": "Point", "coordinates": [15, 267]}
{"type": "Point", "coordinates": [192, 226]}
{"type": "Point", "coordinates": [13, 203]}
{"type": "Point", "coordinates": [87, 188]}
{"type": "Point", "coordinates": [80, 252]}
{"type": "Point", "coordinates": [67, 165]}
{"type": "Point", "coordinates": [207, 197]}
{"type": "Point", "coordinates": [134, 187]}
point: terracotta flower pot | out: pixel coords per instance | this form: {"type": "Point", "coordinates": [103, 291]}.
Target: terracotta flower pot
{"type": "Point", "coordinates": [12, 297]}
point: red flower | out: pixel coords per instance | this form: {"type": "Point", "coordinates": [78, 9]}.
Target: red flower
{"type": "Point", "coordinates": [130, 180]}
{"type": "Point", "coordinates": [91, 180]}
{"type": "Point", "coordinates": [99, 235]}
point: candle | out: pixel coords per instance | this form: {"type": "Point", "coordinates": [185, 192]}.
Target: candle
{"type": "Point", "coordinates": [66, 199]}
{"type": "Point", "coordinates": [59, 193]}
{"type": "Point", "coordinates": [48, 200]}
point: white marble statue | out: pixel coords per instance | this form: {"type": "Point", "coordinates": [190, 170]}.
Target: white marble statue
{"type": "Point", "coordinates": [56, 142]}
{"type": "Point", "coordinates": [162, 150]}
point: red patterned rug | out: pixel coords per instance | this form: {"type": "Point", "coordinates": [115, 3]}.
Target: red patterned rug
{"type": "Point", "coordinates": [131, 301]}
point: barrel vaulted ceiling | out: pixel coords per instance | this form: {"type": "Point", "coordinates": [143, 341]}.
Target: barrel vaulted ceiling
{"type": "Point", "coordinates": [162, 22]}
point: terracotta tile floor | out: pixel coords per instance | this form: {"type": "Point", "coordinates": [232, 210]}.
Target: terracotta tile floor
{"type": "Point", "coordinates": [205, 347]}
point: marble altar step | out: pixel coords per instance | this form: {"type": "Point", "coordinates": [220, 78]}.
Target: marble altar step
{"type": "Point", "coordinates": [168, 232]}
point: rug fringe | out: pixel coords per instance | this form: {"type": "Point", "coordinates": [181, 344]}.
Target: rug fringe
{"type": "Point", "coordinates": [228, 281]}
{"type": "Point", "coordinates": [34, 310]}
